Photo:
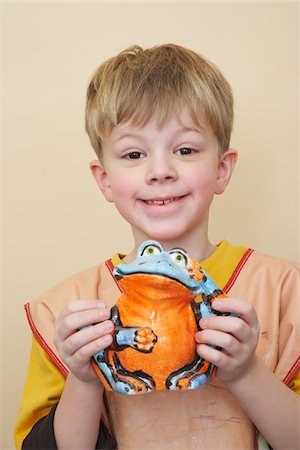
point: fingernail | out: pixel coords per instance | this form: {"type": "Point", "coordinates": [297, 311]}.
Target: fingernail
{"type": "Point", "coordinates": [203, 323]}
{"type": "Point", "coordinates": [104, 314]}
{"type": "Point", "coordinates": [216, 303]}
{"type": "Point", "coordinates": [106, 339]}
{"type": "Point", "coordinates": [108, 326]}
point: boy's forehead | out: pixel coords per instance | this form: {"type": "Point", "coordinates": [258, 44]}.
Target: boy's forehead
{"type": "Point", "coordinates": [182, 121]}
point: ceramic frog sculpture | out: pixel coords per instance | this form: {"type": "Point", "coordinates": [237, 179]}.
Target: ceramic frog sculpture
{"type": "Point", "coordinates": [164, 295]}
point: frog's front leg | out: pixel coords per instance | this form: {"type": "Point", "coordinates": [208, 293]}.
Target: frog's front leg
{"type": "Point", "coordinates": [142, 339]}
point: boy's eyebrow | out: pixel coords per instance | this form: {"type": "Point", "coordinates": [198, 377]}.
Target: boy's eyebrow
{"type": "Point", "coordinates": [198, 130]}
{"type": "Point", "coordinates": [124, 136]}
{"type": "Point", "coordinates": [138, 134]}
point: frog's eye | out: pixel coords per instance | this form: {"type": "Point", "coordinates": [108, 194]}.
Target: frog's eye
{"type": "Point", "coordinates": [179, 257]}
{"type": "Point", "coordinates": [151, 250]}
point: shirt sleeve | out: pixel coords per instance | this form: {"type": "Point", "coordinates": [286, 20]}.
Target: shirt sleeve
{"type": "Point", "coordinates": [43, 387]}
{"type": "Point", "coordinates": [42, 434]}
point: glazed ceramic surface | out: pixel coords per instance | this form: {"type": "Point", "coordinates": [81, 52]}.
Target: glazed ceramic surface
{"type": "Point", "coordinates": [164, 295]}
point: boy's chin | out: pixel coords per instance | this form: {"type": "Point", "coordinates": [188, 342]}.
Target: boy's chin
{"type": "Point", "coordinates": [162, 236]}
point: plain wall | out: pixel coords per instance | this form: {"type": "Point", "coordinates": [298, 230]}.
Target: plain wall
{"type": "Point", "coordinates": [55, 220]}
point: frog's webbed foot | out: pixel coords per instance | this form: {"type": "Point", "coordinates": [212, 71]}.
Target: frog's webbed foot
{"type": "Point", "coordinates": [119, 378]}
{"type": "Point", "coordinates": [191, 376]}
{"type": "Point", "coordinates": [144, 340]}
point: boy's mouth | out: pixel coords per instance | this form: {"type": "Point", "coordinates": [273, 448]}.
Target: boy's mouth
{"type": "Point", "coordinates": [161, 202]}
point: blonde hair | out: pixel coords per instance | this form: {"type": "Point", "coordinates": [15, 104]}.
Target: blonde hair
{"type": "Point", "coordinates": [141, 84]}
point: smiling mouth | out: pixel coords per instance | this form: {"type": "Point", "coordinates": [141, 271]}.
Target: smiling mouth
{"type": "Point", "coordinates": [161, 202]}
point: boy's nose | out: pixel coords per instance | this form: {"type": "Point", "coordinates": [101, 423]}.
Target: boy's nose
{"type": "Point", "coordinates": [161, 170]}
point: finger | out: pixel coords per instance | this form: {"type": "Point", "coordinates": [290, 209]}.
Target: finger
{"type": "Point", "coordinates": [224, 341]}
{"type": "Point", "coordinates": [85, 353]}
{"type": "Point", "coordinates": [82, 305]}
{"type": "Point", "coordinates": [87, 335]}
{"type": "Point", "coordinates": [233, 325]}
{"type": "Point", "coordinates": [239, 307]}
{"type": "Point", "coordinates": [67, 325]}
{"type": "Point", "coordinates": [213, 355]}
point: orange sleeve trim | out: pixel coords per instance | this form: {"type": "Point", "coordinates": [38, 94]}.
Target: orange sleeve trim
{"type": "Point", "coordinates": [237, 270]}
{"type": "Point", "coordinates": [292, 372]}
{"type": "Point", "coordinates": [51, 354]}
{"type": "Point", "coordinates": [43, 343]}
{"type": "Point", "coordinates": [109, 264]}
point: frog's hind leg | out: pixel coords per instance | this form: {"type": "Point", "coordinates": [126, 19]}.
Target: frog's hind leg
{"type": "Point", "coordinates": [198, 371]}
{"type": "Point", "coordinates": [120, 379]}
{"type": "Point", "coordinates": [192, 375]}
{"type": "Point", "coordinates": [139, 381]}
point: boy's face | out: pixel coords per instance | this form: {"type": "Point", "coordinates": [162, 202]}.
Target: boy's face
{"type": "Point", "coordinates": [163, 180]}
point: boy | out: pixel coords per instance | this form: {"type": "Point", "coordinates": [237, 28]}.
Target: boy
{"type": "Point", "coordinates": [160, 122]}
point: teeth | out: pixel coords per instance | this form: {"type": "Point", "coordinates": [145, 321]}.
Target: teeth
{"type": "Point", "coordinates": [160, 202]}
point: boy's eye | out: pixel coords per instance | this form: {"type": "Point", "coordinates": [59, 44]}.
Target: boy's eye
{"type": "Point", "coordinates": [134, 155]}
{"type": "Point", "coordinates": [184, 151]}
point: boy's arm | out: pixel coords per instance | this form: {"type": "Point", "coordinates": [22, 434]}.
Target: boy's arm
{"type": "Point", "coordinates": [78, 413]}
{"type": "Point", "coordinates": [272, 406]}
{"type": "Point", "coordinates": [43, 390]}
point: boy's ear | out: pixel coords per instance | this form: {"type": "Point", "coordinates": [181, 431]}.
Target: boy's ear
{"type": "Point", "coordinates": [102, 179]}
{"type": "Point", "coordinates": [226, 166]}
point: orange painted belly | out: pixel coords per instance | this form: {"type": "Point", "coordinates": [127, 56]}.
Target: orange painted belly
{"type": "Point", "coordinates": [175, 347]}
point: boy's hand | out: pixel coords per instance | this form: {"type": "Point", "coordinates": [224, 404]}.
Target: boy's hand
{"type": "Point", "coordinates": [237, 337]}
{"type": "Point", "coordinates": [76, 346]}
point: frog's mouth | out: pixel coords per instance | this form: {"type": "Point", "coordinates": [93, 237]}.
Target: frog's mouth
{"type": "Point", "coordinates": [119, 275]}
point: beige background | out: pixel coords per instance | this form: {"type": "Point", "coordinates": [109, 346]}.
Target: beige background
{"type": "Point", "coordinates": [55, 221]}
